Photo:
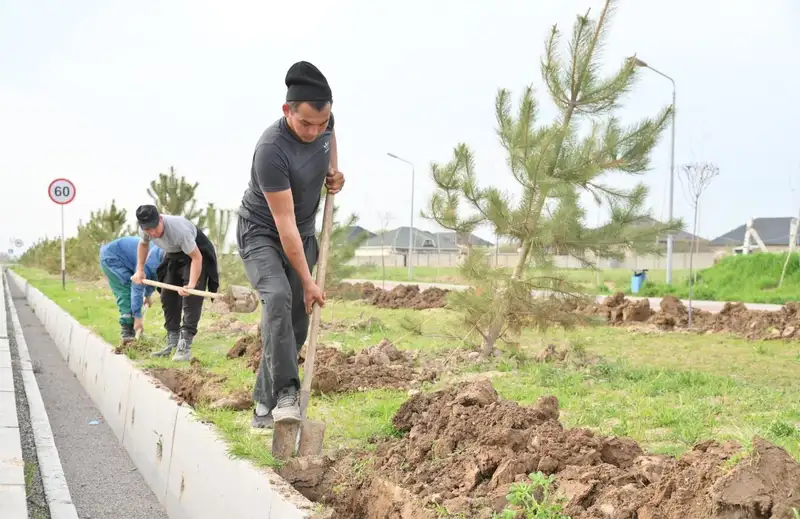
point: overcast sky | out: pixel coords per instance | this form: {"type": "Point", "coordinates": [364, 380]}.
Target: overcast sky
{"type": "Point", "coordinates": [110, 93]}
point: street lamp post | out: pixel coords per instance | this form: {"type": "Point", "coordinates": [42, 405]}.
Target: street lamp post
{"type": "Point", "coordinates": [411, 242]}
{"type": "Point", "coordinates": [640, 63]}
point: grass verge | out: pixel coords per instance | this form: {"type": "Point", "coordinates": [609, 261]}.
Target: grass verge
{"type": "Point", "coordinates": [665, 390]}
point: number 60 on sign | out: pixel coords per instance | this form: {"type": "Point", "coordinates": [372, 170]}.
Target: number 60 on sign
{"type": "Point", "coordinates": [61, 191]}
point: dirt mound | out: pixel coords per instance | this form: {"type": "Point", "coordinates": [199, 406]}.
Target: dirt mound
{"type": "Point", "coordinates": [249, 346]}
{"type": "Point", "coordinates": [464, 447]}
{"type": "Point", "coordinates": [734, 318]}
{"type": "Point", "coordinates": [617, 309]}
{"type": "Point", "coordinates": [379, 366]}
{"type": "Point", "coordinates": [229, 323]}
{"type": "Point", "coordinates": [401, 296]}
{"type": "Point", "coordinates": [410, 296]}
{"type": "Point", "coordinates": [195, 385]}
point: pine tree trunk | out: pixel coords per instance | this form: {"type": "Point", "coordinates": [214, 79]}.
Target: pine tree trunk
{"type": "Point", "coordinates": [496, 327]}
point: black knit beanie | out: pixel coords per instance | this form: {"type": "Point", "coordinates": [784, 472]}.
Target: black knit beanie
{"type": "Point", "coordinates": [304, 82]}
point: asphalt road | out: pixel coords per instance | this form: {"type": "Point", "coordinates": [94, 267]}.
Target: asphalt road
{"type": "Point", "coordinates": [710, 306]}
{"type": "Point", "coordinates": [102, 479]}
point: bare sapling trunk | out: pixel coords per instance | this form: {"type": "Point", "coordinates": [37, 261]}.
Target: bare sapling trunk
{"type": "Point", "coordinates": [698, 177]}
{"type": "Point", "coordinates": [501, 302]}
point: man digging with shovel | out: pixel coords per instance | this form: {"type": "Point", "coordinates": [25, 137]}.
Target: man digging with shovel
{"type": "Point", "coordinates": [292, 160]}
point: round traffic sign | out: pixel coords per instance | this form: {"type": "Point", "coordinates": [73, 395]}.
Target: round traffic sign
{"type": "Point", "coordinates": [18, 243]}
{"type": "Point", "coordinates": [61, 191]}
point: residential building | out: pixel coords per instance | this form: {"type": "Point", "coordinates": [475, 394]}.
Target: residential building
{"type": "Point", "coordinates": [397, 241]}
{"type": "Point", "coordinates": [774, 232]}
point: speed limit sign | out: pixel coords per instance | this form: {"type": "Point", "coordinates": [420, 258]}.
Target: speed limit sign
{"type": "Point", "coordinates": [61, 191]}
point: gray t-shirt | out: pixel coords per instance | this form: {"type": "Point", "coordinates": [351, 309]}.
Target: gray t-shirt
{"type": "Point", "coordinates": [179, 235]}
{"type": "Point", "coordinates": [281, 161]}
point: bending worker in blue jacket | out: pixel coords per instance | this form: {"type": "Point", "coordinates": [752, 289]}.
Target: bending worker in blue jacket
{"type": "Point", "coordinates": [118, 262]}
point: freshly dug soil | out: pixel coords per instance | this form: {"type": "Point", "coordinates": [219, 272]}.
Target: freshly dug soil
{"type": "Point", "coordinates": [195, 385]}
{"type": "Point", "coordinates": [464, 447]}
{"type": "Point", "coordinates": [379, 366]}
{"type": "Point", "coordinates": [734, 318]}
{"type": "Point", "coordinates": [248, 346]}
{"type": "Point", "coordinates": [401, 296]}
{"type": "Point", "coordinates": [230, 323]}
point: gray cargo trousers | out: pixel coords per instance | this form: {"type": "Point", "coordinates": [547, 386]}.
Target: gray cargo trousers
{"type": "Point", "coordinates": [284, 321]}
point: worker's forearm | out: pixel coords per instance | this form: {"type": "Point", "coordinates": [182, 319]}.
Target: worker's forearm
{"type": "Point", "coordinates": [293, 247]}
{"type": "Point", "coordinates": [141, 255]}
{"type": "Point", "coordinates": [194, 271]}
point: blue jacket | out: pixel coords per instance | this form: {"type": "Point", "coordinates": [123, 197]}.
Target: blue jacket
{"type": "Point", "coordinates": [120, 256]}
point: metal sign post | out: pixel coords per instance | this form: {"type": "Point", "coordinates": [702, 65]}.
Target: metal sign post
{"type": "Point", "coordinates": [62, 192]}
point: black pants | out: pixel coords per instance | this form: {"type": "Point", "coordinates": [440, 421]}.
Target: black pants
{"type": "Point", "coordinates": [174, 304]}
{"type": "Point", "coordinates": [284, 321]}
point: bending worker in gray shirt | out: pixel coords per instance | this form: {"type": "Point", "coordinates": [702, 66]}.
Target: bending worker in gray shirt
{"type": "Point", "coordinates": [190, 261]}
{"type": "Point", "coordinates": [294, 157]}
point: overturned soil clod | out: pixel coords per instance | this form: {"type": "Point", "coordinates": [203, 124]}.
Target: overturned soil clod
{"type": "Point", "coordinates": [379, 366]}
{"type": "Point", "coordinates": [250, 347]}
{"type": "Point", "coordinates": [195, 385]}
{"type": "Point", "coordinates": [335, 371]}
{"type": "Point", "coordinates": [734, 318]}
{"type": "Point", "coordinates": [464, 447]}
{"type": "Point", "coordinates": [401, 296]}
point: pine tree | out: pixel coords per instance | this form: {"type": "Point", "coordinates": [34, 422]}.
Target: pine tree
{"type": "Point", "coordinates": [553, 163]}
{"type": "Point", "coordinates": [218, 222]}
{"type": "Point", "coordinates": [176, 196]}
{"type": "Point", "coordinates": [105, 225]}
{"type": "Point", "coordinates": [217, 225]}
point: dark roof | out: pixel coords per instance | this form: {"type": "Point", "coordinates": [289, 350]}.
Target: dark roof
{"type": "Point", "coordinates": [773, 231]}
{"type": "Point", "coordinates": [355, 230]}
{"type": "Point", "coordinates": [476, 241]}
{"type": "Point", "coordinates": [399, 239]}
{"type": "Point", "coordinates": [678, 236]}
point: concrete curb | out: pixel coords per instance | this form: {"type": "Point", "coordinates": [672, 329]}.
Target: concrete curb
{"type": "Point", "coordinates": [184, 461]}
{"type": "Point", "coordinates": [13, 502]}
{"type": "Point", "coordinates": [59, 499]}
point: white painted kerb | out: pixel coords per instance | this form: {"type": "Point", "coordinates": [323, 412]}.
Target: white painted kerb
{"type": "Point", "coordinates": [185, 462]}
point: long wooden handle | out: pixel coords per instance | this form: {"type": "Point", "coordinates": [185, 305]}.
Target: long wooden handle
{"type": "Point", "coordinates": [194, 292]}
{"type": "Point", "coordinates": [322, 268]}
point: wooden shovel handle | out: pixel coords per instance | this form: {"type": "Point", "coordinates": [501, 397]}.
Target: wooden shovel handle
{"type": "Point", "coordinates": [322, 268]}
{"type": "Point", "coordinates": [194, 292]}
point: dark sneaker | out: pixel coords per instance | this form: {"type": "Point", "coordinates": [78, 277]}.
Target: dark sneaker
{"type": "Point", "coordinates": [262, 422]}
{"type": "Point", "coordinates": [172, 342]}
{"type": "Point", "coordinates": [288, 408]}
{"type": "Point", "coordinates": [127, 334]}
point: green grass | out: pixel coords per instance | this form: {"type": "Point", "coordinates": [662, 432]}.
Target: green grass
{"type": "Point", "coordinates": [751, 278]}
{"type": "Point", "coordinates": [665, 390]}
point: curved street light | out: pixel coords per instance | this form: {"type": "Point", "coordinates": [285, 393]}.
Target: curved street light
{"type": "Point", "coordinates": [411, 236]}
{"type": "Point", "coordinates": [639, 63]}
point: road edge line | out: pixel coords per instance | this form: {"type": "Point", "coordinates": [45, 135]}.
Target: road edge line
{"type": "Point", "coordinates": [56, 488]}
